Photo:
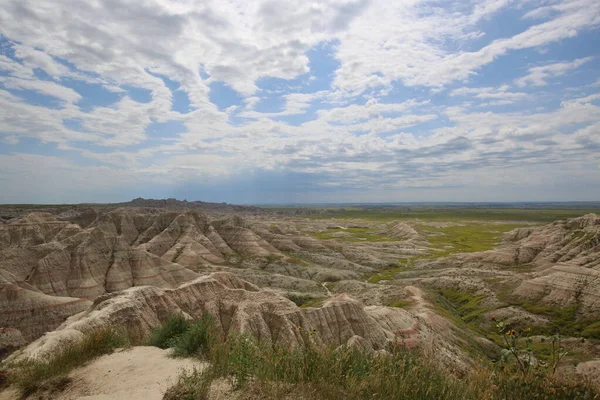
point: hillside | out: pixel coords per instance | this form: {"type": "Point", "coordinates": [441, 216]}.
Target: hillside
{"type": "Point", "coordinates": [369, 285]}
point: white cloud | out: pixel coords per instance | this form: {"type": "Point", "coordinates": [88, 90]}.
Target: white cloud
{"type": "Point", "coordinates": [580, 101]}
{"type": "Point", "coordinates": [501, 94]}
{"type": "Point", "coordinates": [395, 40]}
{"type": "Point", "coordinates": [43, 87]}
{"type": "Point", "coordinates": [359, 136]}
{"type": "Point", "coordinates": [538, 76]}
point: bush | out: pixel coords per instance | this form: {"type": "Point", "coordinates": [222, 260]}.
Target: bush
{"type": "Point", "coordinates": [196, 340]}
{"type": "Point", "coordinates": [164, 334]}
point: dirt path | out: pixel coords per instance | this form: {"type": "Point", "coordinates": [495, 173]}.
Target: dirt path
{"type": "Point", "coordinates": [140, 373]}
{"type": "Point", "coordinates": [324, 284]}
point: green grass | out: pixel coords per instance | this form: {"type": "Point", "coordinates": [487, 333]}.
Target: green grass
{"type": "Point", "coordinates": [50, 374]}
{"type": "Point", "coordinates": [174, 326]}
{"type": "Point", "coordinates": [446, 241]}
{"type": "Point", "coordinates": [592, 330]}
{"type": "Point", "coordinates": [400, 303]}
{"type": "Point", "coordinates": [542, 215]}
{"type": "Point", "coordinates": [258, 370]}
{"type": "Point", "coordinates": [466, 238]}
{"type": "Point", "coordinates": [563, 320]}
{"type": "Point", "coordinates": [466, 304]}
{"type": "Point", "coordinates": [186, 338]}
{"type": "Point", "coordinates": [305, 301]}
{"type": "Point", "coordinates": [385, 275]}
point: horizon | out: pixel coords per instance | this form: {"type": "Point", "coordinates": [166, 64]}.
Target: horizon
{"type": "Point", "coordinates": [307, 102]}
{"type": "Point", "coordinates": [543, 204]}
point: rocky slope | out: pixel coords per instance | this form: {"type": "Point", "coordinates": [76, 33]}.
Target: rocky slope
{"type": "Point", "coordinates": [241, 307]}
{"type": "Point", "coordinates": [565, 258]}
{"type": "Point", "coordinates": [552, 267]}
{"type": "Point", "coordinates": [50, 269]}
{"type": "Point", "coordinates": [136, 266]}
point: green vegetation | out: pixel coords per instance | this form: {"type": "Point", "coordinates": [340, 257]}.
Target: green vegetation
{"type": "Point", "coordinates": [354, 235]}
{"type": "Point", "coordinates": [466, 304]}
{"type": "Point", "coordinates": [174, 326]}
{"type": "Point", "coordinates": [592, 330]}
{"type": "Point", "coordinates": [466, 238]}
{"type": "Point", "coordinates": [400, 303]}
{"type": "Point", "coordinates": [385, 275]}
{"type": "Point", "coordinates": [51, 374]}
{"type": "Point", "coordinates": [186, 338]}
{"type": "Point", "coordinates": [449, 240]}
{"type": "Point", "coordinates": [563, 320]}
{"type": "Point", "coordinates": [263, 371]}
{"type": "Point", "coordinates": [391, 213]}
{"type": "Point", "coordinates": [306, 301]}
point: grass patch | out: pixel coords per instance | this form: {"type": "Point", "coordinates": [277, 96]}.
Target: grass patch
{"type": "Point", "coordinates": [174, 326]}
{"type": "Point", "coordinates": [32, 376]}
{"type": "Point", "coordinates": [563, 320]}
{"type": "Point", "coordinates": [385, 275]}
{"type": "Point", "coordinates": [466, 304]}
{"type": "Point", "coordinates": [391, 213]}
{"type": "Point", "coordinates": [446, 241]}
{"type": "Point", "coordinates": [186, 338]}
{"type": "Point", "coordinates": [258, 370]}
{"type": "Point", "coordinates": [400, 303]}
{"type": "Point", "coordinates": [318, 373]}
{"type": "Point", "coordinates": [306, 301]}
{"type": "Point", "coordinates": [592, 330]}
{"type": "Point", "coordinates": [465, 238]}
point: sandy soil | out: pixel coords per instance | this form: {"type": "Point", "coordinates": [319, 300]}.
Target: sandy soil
{"type": "Point", "coordinates": [139, 373]}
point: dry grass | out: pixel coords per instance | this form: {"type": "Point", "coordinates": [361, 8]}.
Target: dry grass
{"type": "Point", "coordinates": [50, 375]}
{"type": "Point", "coordinates": [257, 370]}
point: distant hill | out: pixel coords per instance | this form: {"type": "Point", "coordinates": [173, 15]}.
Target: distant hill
{"type": "Point", "coordinates": [174, 203]}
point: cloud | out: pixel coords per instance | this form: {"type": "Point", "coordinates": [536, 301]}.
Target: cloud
{"type": "Point", "coordinates": [404, 43]}
{"type": "Point", "coordinates": [538, 76]}
{"type": "Point", "coordinates": [499, 94]}
{"type": "Point", "coordinates": [43, 87]}
{"type": "Point", "coordinates": [405, 103]}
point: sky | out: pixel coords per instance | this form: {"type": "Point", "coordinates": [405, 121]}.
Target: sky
{"type": "Point", "coordinates": [299, 101]}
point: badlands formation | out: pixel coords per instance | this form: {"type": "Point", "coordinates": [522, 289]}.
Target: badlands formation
{"type": "Point", "coordinates": [62, 275]}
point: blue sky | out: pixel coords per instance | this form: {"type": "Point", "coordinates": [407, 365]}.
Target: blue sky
{"type": "Point", "coordinates": [300, 101]}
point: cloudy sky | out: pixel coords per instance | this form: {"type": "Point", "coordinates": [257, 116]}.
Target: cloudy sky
{"type": "Point", "coordinates": [299, 101]}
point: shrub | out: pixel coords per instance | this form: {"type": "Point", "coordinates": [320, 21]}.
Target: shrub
{"type": "Point", "coordinates": [196, 340]}
{"type": "Point", "coordinates": [164, 334]}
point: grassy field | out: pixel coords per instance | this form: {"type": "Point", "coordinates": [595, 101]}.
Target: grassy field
{"type": "Point", "coordinates": [452, 214]}
{"type": "Point", "coordinates": [465, 238]}
{"type": "Point", "coordinates": [448, 240]}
